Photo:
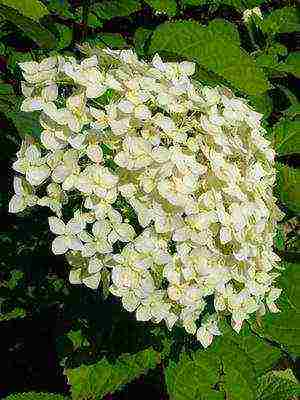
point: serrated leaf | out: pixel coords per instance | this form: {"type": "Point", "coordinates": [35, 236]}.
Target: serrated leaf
{"type": "Point", "coordinates": [278, 385]}
{"type": "Point", "coordinates": [284, 327]}
{"type": "Point", "coordinates": [96, 380]}
{"type": "Point", "coordinates": [282, 20]}
{"type": "Point", "coordinates": [35, 396]}
{"type": "Point", "coordinates": [286, 137]}
{"type": "Point", "coordinates": [214, 47]}
{"type": "Point", "coordinates": [33, 9]}
{"type": "Point", "coordinates": [108, 9]}
{"type": "Point", "coordinates": [32, 29]}
{"type": "Point", "coordinates": [287, 187]}
{"type": "Point", "coordinates": [168, 7]}
{"type": "Point", "coordinates": [291, 65]}
{"type": "Point", "coordinates": [232, 364]}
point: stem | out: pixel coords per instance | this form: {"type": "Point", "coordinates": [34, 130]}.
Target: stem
{"type": "Point", "coordinates": [85, 16]}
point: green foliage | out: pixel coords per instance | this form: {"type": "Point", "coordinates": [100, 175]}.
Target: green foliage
{"type": "Point", "coordinates": [108, 9]}
{"type": "Point", "coordinates": [15, 313]}
{"type": "Point", "coordinates": [215, 47]}
{"type": "Point", "coordinates": [35, 396]}
{"type": "Point", "coordinates": [96, 380]}
{"type": "Point", "coordinates": [287, 190]}
{"type": "Point", "coordinates": [231, 365]}
{"type": "Point", "coordinates": [285, 19]}
{"type": "Point", "coordinates": [33, 9]}
{"type": "Point", "coordinates": [168, 7]}
{"type": "Point", "coordinates": [286, 136]}
{"type": "Point", "coordinates": [33, 30]}
{"type": "Point", "coordinates": [238, 4]}
{"type": "Point", "coordinates": [291, 65]}
{"type": "Point", "coordinates": [140, 39]}
{"type": "Point", "coordinates": [278, 385]}
{"type": "Point", "coordinates": [284, 327]}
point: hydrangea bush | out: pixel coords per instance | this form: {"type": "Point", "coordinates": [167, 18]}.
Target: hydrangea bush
{"type": "Point", "coordinates": [170, 185]}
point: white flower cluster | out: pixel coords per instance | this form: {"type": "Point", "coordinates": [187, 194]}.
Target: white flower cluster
{"type": "Point", "coordinates": [250, 14]}
{"type": "Point", "coordinates": [173, 182]}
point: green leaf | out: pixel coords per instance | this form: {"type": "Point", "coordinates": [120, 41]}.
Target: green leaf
{"type": "Point", "coordinates": [282, 20]}
{"type": "Point", "coordinates": [232, 363]}
{"type": "Point", "coordinates": [35, 396]}
{"type": "Point", "coordinates": [26, 123]}
{"type": "Point", "coordinates": [6, 88]}
{"type": "Point", "coordinates": [278, 385]}
{"type": "Point", "coordinates": [96, 380]}
{"type": "Point", "coordinates": [65, 36]}
{"type": "Point", "coordinates": [238, 4]}
{"type": "Point", "coordinates": [215, 47]}
{"type": "Point", "coordinates": [61, 7]}
{"type": "Point", "coordinates": [108, 9]}
{"type": "Point", "coordinates": [15, 313]}
{"type": "Point", "coordinates": [112, 40]}
{"type": "Point", "coordinates": [32, 29]}
{"type": "Point", "coordinates": [262, 103]}
{"type": "Point", "coordinates": [293, 110]}
{"type": "Point", "coordinates": [284, 327]}
{"type": "Point", "coordinates": [291, 65]}
{"type": "Point", "coordinates": [287, 188]}
{"type": "Point", "coordinates": [33, 9]}
{"type": "Point", "coordinates": [286, 137]}
{"type": "Point", "coordinates": [168, 7]}
{"type": "Point", "coordinates": [140, 38]}
{"type": "Point", "coordinates": [77, 339]}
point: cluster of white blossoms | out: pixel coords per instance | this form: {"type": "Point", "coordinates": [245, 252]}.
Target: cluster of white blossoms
{"type": "Point", "coordinates": [172, 182]}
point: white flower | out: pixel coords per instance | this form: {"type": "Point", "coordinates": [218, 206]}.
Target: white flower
{"type": "Point", "coordinates": [23, 197]}
{"type": "Point", "coordinates": [207, 331]}
{"type": "Point", "coordinates": [67, 234]}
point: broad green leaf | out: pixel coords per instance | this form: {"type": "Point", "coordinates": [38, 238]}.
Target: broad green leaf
{"type": "Point", "coordinates": [262, 103]}
{"type": "Point", "coordinates": [140, 38]}
{"type": "Point", "coordinates": [168, 7]}
{"type": "Point", "coordinates": [26, 123]}
{"type": "Point", "coordinates": [278, 385]}
{"type": "Point", "coordinates": [286, 137]}
{"type": "Point", "coordinates": [291, 65]}
{"type": "Point", "coordinates": [108, 9]}
{"type": "Point", "coordinates": [232, 364]}
{"type": "Point", "coordinates": [35, 396]}
{"type": "Point", "coordinates": [287, 188]}
{"type": "Point", "coordinates": [96, 380]}
{"type": "Point", "coordinates": [33, 9]}
{"type": "Point", "coordinates": [284, 327]}
{"type": "Point", "coordinates": [193, 377]}
{"type": "Point", "coordinates": [32, 29]}
{"type": "Point", "coordinates": [282, 20]}
{"type": "Point", "coordinates": [214, 47]}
